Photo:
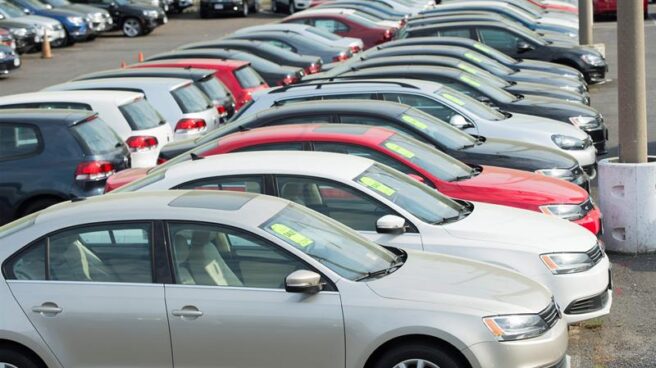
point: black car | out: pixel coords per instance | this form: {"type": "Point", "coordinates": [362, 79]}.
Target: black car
{"type": "Point", "coordinates": [50, 156]}
{"type": "Point", "coordinates": [25, 36]}
{"type": "Point", "coordinates": [448, 139]}
{"type": "Point", "coordinates": [520, 42]}
{"type": "Point", "coordinates": [585, 117]}
{"type": "Point", "coordinates": [310, 64]}
{"type": "Point", "coordinates": [517, 65]}
{"type": "Point", "coordinates": [9, 60]}
{"type": "Point", "coordinates": [211, 8]}
{"type": "Point", "coordinates": [204, 79]}
{"type": "Point", "coordinates": [132, 17]}
{"type": "Point", "coordinates": [271, 72]}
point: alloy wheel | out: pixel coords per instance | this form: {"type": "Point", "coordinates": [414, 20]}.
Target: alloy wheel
{"type": "Point", "coordinates": [131, 27]}
{"type": "Point", "coordinates": [416, 363]}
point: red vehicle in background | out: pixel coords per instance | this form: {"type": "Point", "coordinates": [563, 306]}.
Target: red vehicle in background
{"type": "Point", "coordinates": [451, 177]}
{"type": "Point", "coordinates": [238, 76]}
{"type": "Point", "coordinates": [346, 23]}
{"type": "Point", "coordinates": [609, 7]}
{"type": "Point", "coordinates": [555, 6]}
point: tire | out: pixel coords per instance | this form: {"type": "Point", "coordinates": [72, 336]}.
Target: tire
{"type": "Point", "coordinates": [410, 354]}
{"type": "Point", "coordinates": [10, 358]}
{"type": "Point", "coordinates": [132, 27]}
{"type": "Point", "coordinates": [38, 206]}
{"type": "Point", "coordinates": [274, 6]}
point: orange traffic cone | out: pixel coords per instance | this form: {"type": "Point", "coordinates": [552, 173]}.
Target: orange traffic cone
{"type": "Point", "coordinates": [140, 57]}
{"type": "Point", "coordinates": [123, 64]}
{"type": "Point", "coordinates": [46, 52]}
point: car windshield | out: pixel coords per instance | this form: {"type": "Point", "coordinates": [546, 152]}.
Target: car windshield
{"type": "Point", "coordinates": [494, 53]}
{"type": "Point", "coordinates": [141, 115]}
{"type": "Point", "coordinates": [213, 88]}
{"type": "Point", "coordinates": [57, 3]}
{"type": "Point", "coordinates": [471, 105]}
{"type": "Point", "coordinates": [248, 77]}
{"type": "Point", "coordinates": [191, 99]}
{"type": "Point", "coordinates": [484, 88]}
{"type": "Point", "coordinates": [323, 34]}
{"type": "Point", "coordinates": [36, 4]}
{"type": "Point", "coordinates": [483, 74]}
{"type": "Point", "coordinates": [427, 157]}
{"type": "Point", "coordinates": [96, 137]}
{"type": "Point", "coordinates": [438, 130]}
{"type": "Point", "coordinates": [332, 244]}
{"type": "Point", "coordinates": [487, 63]}
{"type": "Point", "coordinates": [10, 10]}
{"type": "Point", "coordinates": [358, 18]}
{"type": "Point", "coordinates": [419, 199]}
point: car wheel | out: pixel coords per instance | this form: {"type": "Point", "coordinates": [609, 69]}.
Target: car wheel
{"type": "Point", "coordinates": [10, 358]}
{"type": "Point", "coordinates": [246, 9]}
{"type": "Point", "coordinates": [36, 206]}
{"type": "Point", "coordinates": [274, 6]}
{"type": "Point", "coordinates": [416, 356]}
{"type": "Point", "coordinates": [132, 27]}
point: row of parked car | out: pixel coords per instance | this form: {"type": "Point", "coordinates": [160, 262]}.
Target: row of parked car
{"type": "Point", "coordinates": [380, 183]}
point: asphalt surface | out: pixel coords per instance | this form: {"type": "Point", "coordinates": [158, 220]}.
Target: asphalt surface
{"type": "Point", "coordinates": [625, 338]}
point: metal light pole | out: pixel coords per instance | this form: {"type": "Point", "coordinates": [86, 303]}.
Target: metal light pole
{"type": "Point", "coordinates": [585, 22]}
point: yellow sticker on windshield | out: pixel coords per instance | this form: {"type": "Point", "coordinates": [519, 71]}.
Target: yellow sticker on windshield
{"type": "Point", "coordinates": [453, 99]}
{"type": "Point", "coordinates": [472, 56]}
{"type": "Point", "coordinates": [377, 186]}
{"type": "Point", "coordinates": [467, 68]}
{"type": "Point", "coordinates": [412, 121]}
{"type": "Point", "coordinates": [470, 81]}
{"type": "Point", "coordinates": [484, 48]}
{"type": "Point", "coordinates": [292, 235]}
{"type": "Point", "coordinates": [400, 150]}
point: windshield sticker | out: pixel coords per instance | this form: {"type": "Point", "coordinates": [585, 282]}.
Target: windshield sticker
{"type": "Point", "coordinates": [377, 186]}
{"type": "Point", "coordinates": [412, 121]}
{"type": "Point", "coordinates": [292, 235]}
{"type": "Point", "coordinates": [467, 68]}
{"type": "Point", "coordinates": [453, 99]}
{"type": "Point", "coordinates": [400, 150]}
{"type": "Point", "coordinates": [473, 57]}
{"type": "Point", "coordinates": [470, 81]}
{"type": "Point", "coordinates": [482, 47]}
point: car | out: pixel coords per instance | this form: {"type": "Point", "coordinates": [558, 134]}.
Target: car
{"type": "Point", "coordinates": [23, 35]}
{"type": "Point", "coordinates": [584, 117]}
{"type": "Point", "coordinates": [272, 73]}
{"type": "Point", "coordinates": [178, 6]}
{"type": "Point", "coordinates": [298, 44]}
{"type": "Point", "coordinates": [443, 103]}
{"type": "Point", "coordinates": [9, 60]}
{"type": "Point", "coordinates": [134, 19]}
{"type": "Point", "coordinates": [83, 148]}
{"type": "Point", "coordinates": [321, 278]}
{"type": "Point", "coordinates": [346, 24]}
{"type": "Point", "coordinates": [238, 76]}
{"type": "Point", "coordinates": [309, 32]}
{"type": "Point", "coordinates": [446, 138]}
{"type": "Point", "coordinates": [56, 32]}
{"type": "Point", "coordinates": [370, 13]}
{"type": "Point", "coordinates": [365, 196]}
{"type": "Point", "coordinates": [310, 64]}
{"type": "Point", "coordinates": [609, 7]}
{"type": "Point", "coordinates": [204, 79]}
{"type": "Point", "coordinates": [129, 114]}
{"type": "Point", "coordinates": [210, 8]}
{"type": "Point", "coordinates": [75, 23]}
{"type": "Point", "coordinates": [521, 43]}
{"type": "Point", "coordinates": [518, 65]}
{"type": "Point", "coordinates": [536, 9]}
{"type": "Point", "coordinates": [365, 5]}
{"type": "Point", "coordinates": [556, 5]}
{"type": "Point", "coordinates": [101, 20]}
{"type": "Point", "coordinates": [292, 6]}
{"type": "Point", "coordinates": [184, 107]}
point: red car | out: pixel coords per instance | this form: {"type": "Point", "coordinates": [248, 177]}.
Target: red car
{"type": "Point", "coordinates": [557, 7]}
{"type": "Point", "coordinates": [346, 23]}
{"type": "Point", "coordinates": [609, 7]}
{"type": "Point", "coordinates": [451, 177]}
{"type": "Point", "coordinates": [238, 76]}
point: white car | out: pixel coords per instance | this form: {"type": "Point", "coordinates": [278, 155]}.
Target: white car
{"type": "Point", "coordinates": [392, 209]}
{"type": "Point", "coordinates": [292, 6]}
{"type": "Point", "coordinates": [129, 114]}
{"type": "Point", "coordinates": [55, 30]}
{"type": "Point", "coordinates": [311, 33]}
{"type": "Point", "coordinates": [185, 107]}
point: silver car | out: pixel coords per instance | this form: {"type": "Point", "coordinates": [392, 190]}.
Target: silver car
{"type": "Point", "coordinates": [207, 279]}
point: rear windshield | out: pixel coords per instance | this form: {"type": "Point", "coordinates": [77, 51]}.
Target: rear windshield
{"type": "Point", "coordinates": [248, 78]}
{"type": "Point", "coordinates": [141, 115]}
{"type": "Point", "coordinates": [213, 88]}
{"type": "Point", "coordinates": [191, 99]}
{"type": "Point", "coordinates": [96, 137]}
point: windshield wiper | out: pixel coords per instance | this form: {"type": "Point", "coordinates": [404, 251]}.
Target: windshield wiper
{"type": "Point", "coordinates": [396, 263]}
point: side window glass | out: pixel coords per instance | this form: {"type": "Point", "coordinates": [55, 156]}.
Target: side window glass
{"type": "Point", "coordinates": [365, 120]}
{"type": "Point", "coordinates": [424, 104]}
{"type": "Point", "coordinates": [18, 140]}
{"type": "Point", "coordinates": [331, 25]}
{"type": "Point", "coordinates": [31, 264]}
{"type": "Point", "coordinates": [252, 184]}
{"type": "Point", "coordinates": [312, 119]}
{"type": "Point", "coordinates": [352, 96]}
{"type": "Point", "coordinates": [337, 201]}
{"type": "Point", "coordinates": [454, 32]}
{"type": "Point", "coordinates": [211, 255]}
{"type": "Point", "coordinates": [287, 146]}
{"type": "Point", "coordinates": [499, 39]}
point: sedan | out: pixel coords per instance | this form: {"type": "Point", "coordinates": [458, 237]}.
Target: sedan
{"type": "Point", "coordinates": [9, 60]}
{"type": "Point", "coordinates": [101, 20]}
{"type": "Point", "coordinates": [311, 33]}
{"type": "Point", "coordinates": [76, 24]}
{"type": "Point", "coordinates": [254, 265]}
{"type": "Point", "coordinates": [24, 36]}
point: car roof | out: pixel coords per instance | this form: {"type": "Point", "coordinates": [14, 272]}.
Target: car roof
{"type": "Point", "coordinates": [65, 117]}
{"type": "Point", "coordinates": [131, 83]}
{"type": "Point", "coordinates": [499, 23]}
{"type": "Point", "coordinates": [349, 85]}
{"type": "Point", "coordinates": [116, 97]}
{"type": "Point", "coordinates": [374, 107]}
{"type": "Point", "coordinates": [429, 40]}
{"type": "Point", "coordinates": [194, 74]}
{"type": "Point", "coordinates": [417, 68]}
{"type": "Point", "coordinates": [236, 64]}
{"type": "Point", "coordinates": [275, 26]}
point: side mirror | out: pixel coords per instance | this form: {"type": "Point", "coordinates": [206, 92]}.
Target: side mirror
{"type": "Point", "coordinates": [303, 281]}
{"type": "Point", "coordinates": [460, 122]}
{"type": "Point", "coordinates": [390, 224]}
{"type": "Point", "coordinates": [523, 46]}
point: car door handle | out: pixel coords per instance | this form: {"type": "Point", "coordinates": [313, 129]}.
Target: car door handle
{"type": "Point", "coordinates": [48, 309]}
{"type": "Point", "coordinates": [187, 312]}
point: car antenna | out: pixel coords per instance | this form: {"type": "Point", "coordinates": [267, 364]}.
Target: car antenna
{"type": "Point", "coordinates": [195, 157]}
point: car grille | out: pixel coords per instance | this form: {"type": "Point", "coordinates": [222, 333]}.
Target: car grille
{"type": "Point", "coordinates": [588, 305]}
{"type": "Point", "coordinates": [596, 254]}
{"type": "Point", "coordinates": [550, 315]}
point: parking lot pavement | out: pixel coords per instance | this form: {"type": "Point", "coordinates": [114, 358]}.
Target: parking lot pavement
{"type": "Point", "coordinates": [625, 338]}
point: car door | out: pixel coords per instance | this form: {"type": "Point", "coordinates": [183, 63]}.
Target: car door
{"type": "Point", "coordinates": [229, 307]}
{"type": "Point", "coordinates": [347, 205]}
{"type": "Point", "coordinates": [501, 39]}
{"type": "Point", "coordinates": [91, 293]}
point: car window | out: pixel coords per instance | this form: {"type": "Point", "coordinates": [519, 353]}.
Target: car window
{"type": "Point", "coordinates": [96, 137]}
{"type": "Point", "coordinates": [337, 201]}
{"type": "Point", "coordinates": [282, 45]}
{"type": "Point", "coordinates": [285, 146]}
{"type": "Point", "coordinates": [49, 105]}
{"type": "Point", "coordinates": [499, 39]}
{"type": "Point", "coordinates": [141, 115]}
{"type": "Point", "coordinates": [331, 25]}
{"type": "Point", "coordinates": [248, 77]}
{"type": "Point", "coordinates": [213, 255]}
{"type": "Point", "coordinates": [427, 105]}
{"type": "Point", "coordinates": [96, 253]}
{"type": "Point", "coordinates": [214, 89]}
{"type": "Point", "coordinates": [251, 184]}
{"type": "Point", "coordinates": [323, 33]}
{"type": "Point", "coordinates": [308, 119]}
{"type": "Point", "coordinates": [18, 140]}
{"type": "Point", "coordinates": [191, 99]}
{"type": "Point", "coordinates": [455, 32]}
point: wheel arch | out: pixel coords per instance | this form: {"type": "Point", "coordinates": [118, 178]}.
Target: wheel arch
{"type": "Point", "coordinates": [22, 349]}
{"type": "Point", "coordinates": [416, 338]}
{"type": "Point", "coordinates": [22, 206]}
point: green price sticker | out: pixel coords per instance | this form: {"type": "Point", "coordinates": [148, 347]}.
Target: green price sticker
{"type": "Point", "coordinates": [453, 99]}
{"type": "Point", "coordinates": [473, 57]}
{"type": "Point", "coordinates": [482, 47]}
{"type": "Point", "coordinates": [412, 121]}
{"type": "Point", "coordinates": [400, 150]}
{"type": "Point", "coordinates": [377, 186]}
{"type": "Point", "coordinates": [292, 235]}
{"type": "Point", "coordinates": [468, 68]}
{"type": "Point", "coordinates": [470, 81]}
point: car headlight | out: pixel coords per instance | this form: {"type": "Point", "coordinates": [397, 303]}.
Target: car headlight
{"type": "Point", "coordinates": [150, 13]}
{"type": "Point", "coordinates": [568, 143]}
{"type": "Point", "coordinates": [566, 263]}
{"type": "Point", "coordinates": [585, 122]}
{"type": "Point", "coordinates": [516, 327]}
{"type": "Point", "coordinates": [572, 35]}
{"type": "Point", "coordinates": [564, 174]}
{"type": "Point", "coordinates": [75, 20]}
{"type": "Point", "coordinates": [592, 59]}
{"type": "Point", "coordinates": [570, 212]}
{"type": "Point", "coordinates": [3, 55]}
{"type": "Point", "coordinates": [19, 32]}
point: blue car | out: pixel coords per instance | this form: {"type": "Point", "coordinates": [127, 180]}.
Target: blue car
{"type": "Point", "coordinates": [77, 25]}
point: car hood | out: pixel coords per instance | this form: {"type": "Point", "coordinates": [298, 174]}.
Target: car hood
{"type": "Point", "coordinates": [544, 90]}
{"type": "Point", "coordinates": [86, 9]}
{"type": "Point", "coordinates": [521, 121]}
{"type": "Point", "coordinates": [37, 19]}
{"type": "Point", "coordinates": [553, 79]}
{"type": "Point", "coordinates": [553, 67]}
{"type": "Point", "coordinates": [555, 105]}
{"type": "Point", "coordinates": [440, 279]}
{"type": "Point", "coordinates": [521, 229]}
{"type": "Point", "coordinates": [61, 13]}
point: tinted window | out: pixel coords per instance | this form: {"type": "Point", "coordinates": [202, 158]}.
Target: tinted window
{"type": "Point", "coordinates": [18, 140]}
{"type": "Point", "coordinates": [282, 45]}
{"type": "Point", "coordinates": [191, 99]}
{"type": "Point", "coordinates": [311, 119]}
{"type": "Point", "coordinates": [96, 137]}
{"type": "Point", "coordinates": [248, 77]}
{"type": "Point", "coordinates": [499, 39]}
{"type": "Point", "coordinates": [455, 32]}
{"type": "Point", "coordinates": [424, 104]}
{"type": "Point", "coordinates": [331, 25]}
{"type": "Point", "coordinates": [213, 88]}
{"type": "Point", "coordinates": [286, 146]}
{"type": "Point", "coordinates": [141, 115]}
{"type": "Point", "coordinates": [479, 109]}
{"type": "Point", "coordinates": [252, 184]}
{"type": "Point", "coordinates": [215, 256]}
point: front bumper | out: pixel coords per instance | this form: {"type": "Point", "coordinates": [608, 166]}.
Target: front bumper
{"type": "Point", "coordinates": [80, 33]}
{"type": "Point", "coordinates": [10, 63]}
{"type": "Point", "coordinates": [595, 74]}
{"type": "Point", "coordinates": [26, 44]}
{"type": "Point", "coordinates": [222, 7]}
